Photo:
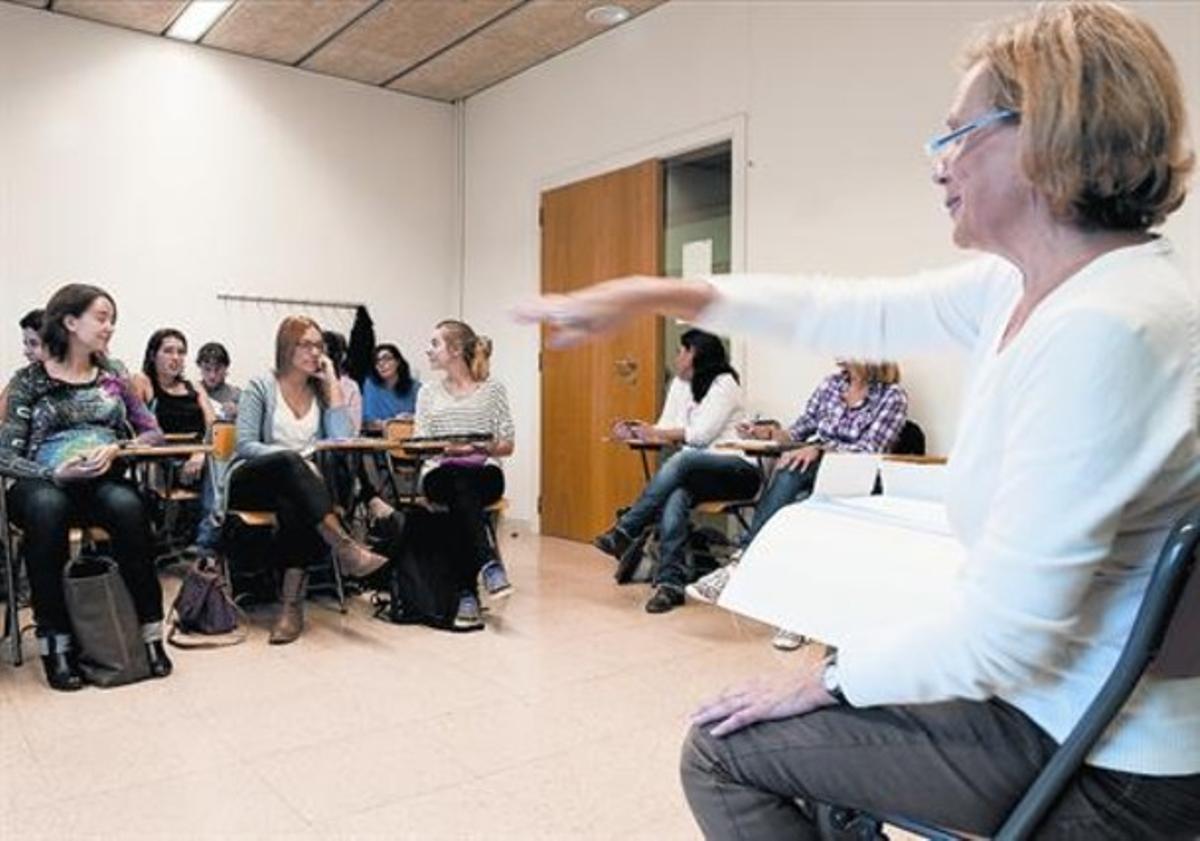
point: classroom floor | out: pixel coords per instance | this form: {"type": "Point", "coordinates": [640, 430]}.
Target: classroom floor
{"type": "Point", "coordinates": [562, 720]}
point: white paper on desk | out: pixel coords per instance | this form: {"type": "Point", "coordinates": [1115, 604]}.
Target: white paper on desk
{"type": "Point", "coordinates": [919, 481]}
{"type": "Point", "coordinates": [843, 576]}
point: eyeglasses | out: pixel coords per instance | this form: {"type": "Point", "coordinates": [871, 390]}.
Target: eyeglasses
{"type": "Point", "coordinates": [384, 357]}
{"type": "Point", "coordinates": [937, 145]}
{"type": "Point", "coordinates": [318, 347]}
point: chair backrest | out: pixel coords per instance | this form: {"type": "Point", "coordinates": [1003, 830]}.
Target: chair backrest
{"type": "Point", "coordinates": [1162, 642]}
{"type": "Point", "coordinates": [911, 441]}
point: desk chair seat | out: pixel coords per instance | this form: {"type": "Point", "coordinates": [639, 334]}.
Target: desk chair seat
{"type": "Point", "coordinates": [1162, 642]}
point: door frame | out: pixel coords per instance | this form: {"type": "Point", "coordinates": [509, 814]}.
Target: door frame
{"type": "Point", "coordinates": [732, 129]}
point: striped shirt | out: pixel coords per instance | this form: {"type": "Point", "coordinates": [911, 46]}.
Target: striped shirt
{"type": "Point", "coordinates": [873, 426]}
{"type": "Point", "coordinates": [484, 411]}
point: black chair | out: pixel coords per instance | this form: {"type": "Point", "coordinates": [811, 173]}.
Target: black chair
{"type": "Point", "coordinates": [1161, 642]}
{"type": "Point", "coordinates": [911, 441]}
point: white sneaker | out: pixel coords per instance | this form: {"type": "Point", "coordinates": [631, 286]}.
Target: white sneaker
{"type": "Point", "coordinates": [708, 589]}
{"type": "Point", "coordinates": [787, 640]}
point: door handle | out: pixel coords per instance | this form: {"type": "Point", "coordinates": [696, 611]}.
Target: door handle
{"type": "Point", "coordinates": [626, 370]}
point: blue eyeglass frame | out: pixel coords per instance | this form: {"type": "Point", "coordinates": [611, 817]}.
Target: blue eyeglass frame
{"type": "Point", "coordinates": [935, 146]}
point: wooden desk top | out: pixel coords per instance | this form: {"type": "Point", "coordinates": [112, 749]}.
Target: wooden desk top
{"type": "Point", "coordinates": [359, 445]}
{"type": "Point", "coordinates": [164, 450]}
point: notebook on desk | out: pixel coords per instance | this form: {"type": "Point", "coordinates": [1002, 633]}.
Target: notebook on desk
{"type": "Point", "coordinates": [846, 474]}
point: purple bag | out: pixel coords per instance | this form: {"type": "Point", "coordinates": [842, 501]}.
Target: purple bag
{"type": "Point", "coordinates": [465, 461]}
{"type": "Point", "coordinates": [203, 614]}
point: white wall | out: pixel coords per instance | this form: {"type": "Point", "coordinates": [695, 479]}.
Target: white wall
{"type": "Point", "coordinates": [836, 100]}
{"type": "Point", "coordinates": [167, 173]}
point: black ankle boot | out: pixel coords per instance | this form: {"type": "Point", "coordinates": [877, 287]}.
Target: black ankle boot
{"type": "Point", "coordinates": [62, 672]}
{"type": "Point", "coordinates": [613, 542]}
{"type": "Point", "coordinates": [160, 663]}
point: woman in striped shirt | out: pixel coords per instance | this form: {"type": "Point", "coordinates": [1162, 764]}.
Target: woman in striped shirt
{"type": "Point", "coordinates": [467, 477]}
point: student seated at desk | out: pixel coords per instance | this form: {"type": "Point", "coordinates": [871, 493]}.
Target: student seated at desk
{"type": "Point", "coordinates": [64, 418]}
{"type": "Point", "coordinates": [336, 349]}
{"type": "Point", "coordinates": [703, 408]}
{"type": "Point", "coordinates": [467, 477]}
{"type": "Point", "coordinates": [281, 416]}
{"type": "Point", "coordinates": [390, 389]}
{"type": "Point", "coordinates": [213, 361]}
{"type": "Point", "coordinates": [31, 346]}
{"type": "Point", "coordinates": [180, 409]}
{"type": "Point", "coordinates": [860, 408]}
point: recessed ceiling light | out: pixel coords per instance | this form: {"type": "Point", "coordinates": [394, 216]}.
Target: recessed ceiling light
{"type": "Point", "coordinates": [609, 14]}
{"type": "Point", "coordinates": [197, 19]}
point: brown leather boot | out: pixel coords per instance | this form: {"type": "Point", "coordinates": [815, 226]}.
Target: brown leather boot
{"type": "Point", "coordinates": [354, 559]}
{"type": "Point", "coordinates": [290, 621]}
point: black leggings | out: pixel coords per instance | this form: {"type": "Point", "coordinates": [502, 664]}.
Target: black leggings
{"type": "Point", "coordinates": [46, 512]}
{"type": "Point", "coordinates": [286, 484]}
{"type": "Point", "coordinates": [466, 491]}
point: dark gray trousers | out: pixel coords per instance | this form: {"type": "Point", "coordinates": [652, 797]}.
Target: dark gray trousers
{"type": "Point", "coordinates": [960, 765]}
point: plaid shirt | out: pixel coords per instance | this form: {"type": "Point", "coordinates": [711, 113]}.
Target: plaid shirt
{"type": "Point", "coordinates": [870, 427]}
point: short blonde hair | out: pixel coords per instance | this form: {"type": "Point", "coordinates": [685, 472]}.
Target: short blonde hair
{"type": "Point", "coordinates": [884, 373]}
{"type": "Point", "coordinates": [1103, 129]}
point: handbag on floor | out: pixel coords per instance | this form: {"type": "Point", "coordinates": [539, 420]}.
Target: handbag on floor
{"type": "Point", "coordinates": [204, 614]}
{"type": "Point", "coordinates": [107, 631]}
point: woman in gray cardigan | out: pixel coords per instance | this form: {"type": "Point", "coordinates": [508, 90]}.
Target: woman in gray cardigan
{"type": "Point", "coordinates": [281, 416]}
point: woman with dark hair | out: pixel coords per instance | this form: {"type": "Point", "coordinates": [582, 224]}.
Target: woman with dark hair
{"type": "Point", "coordinates": [175, 402]}
{"type": "Point", "coordinates": [390, 389]}
{"type": "Point", "coordinates": [703, 408]}
{"type": "Point", "coordinates": [59, 438]}
{"type": "Point", "coordinates": [336, 349]}
{"type": "Point", "coordinates": [181, 410]}
{"type": "Point", "coordinates": [281, 416]}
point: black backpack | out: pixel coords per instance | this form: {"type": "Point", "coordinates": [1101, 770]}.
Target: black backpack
{"type": "Point", "coordinates": [415, 588]}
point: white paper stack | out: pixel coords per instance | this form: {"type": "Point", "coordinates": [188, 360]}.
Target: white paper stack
{"type": "Point", "coordinates": [838, 569]}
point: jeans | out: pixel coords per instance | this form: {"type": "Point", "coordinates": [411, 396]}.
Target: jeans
{"type": "Point", "coordinates": [959, 764]}
{"type": "Point", "coordinates": [686, 478]}
{"type": "Point", "coordinates": [786, 487]}
{"type": "Point", "coordinates": [285, 483]}
{"type": "Point", "coordinates": [46, 514]}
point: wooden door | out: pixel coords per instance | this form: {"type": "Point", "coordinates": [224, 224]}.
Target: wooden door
{"type": "Point", "coordinates": [604, 227]}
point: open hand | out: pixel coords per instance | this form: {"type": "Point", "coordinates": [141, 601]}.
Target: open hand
{"type": "Point", "coordinates": [190, 471]}
{"type": "Point", "coordinates": [766, 699]}
{"type": "Point", "coordinates": [580, 316]}
{"type": "Point", "coordinates": [89, 465]}
{"type": "Point", "coordinates": [799, 459]}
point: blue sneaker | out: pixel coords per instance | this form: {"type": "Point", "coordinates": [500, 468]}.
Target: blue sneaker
{"type": "Point", "coordinates": [495, 580]}
{"type": "Point", "coordinates": [468, 617]}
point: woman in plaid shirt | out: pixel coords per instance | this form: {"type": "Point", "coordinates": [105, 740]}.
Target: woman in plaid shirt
{"type": "Point", "coordinates": [860, 408]}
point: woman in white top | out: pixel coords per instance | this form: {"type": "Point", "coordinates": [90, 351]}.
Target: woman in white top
{"type": "Point", "coordinates": [1077, 449]}
{"type": "Point", "coordinates": [703, 409]}
{"type": "Point", "coordinates": [281, 417]}
{"type": "Point", "coordinates": [467, 477]}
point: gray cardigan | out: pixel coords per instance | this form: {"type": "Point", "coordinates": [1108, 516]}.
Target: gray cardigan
{"type": "Point", "coordinates": [256, 420]}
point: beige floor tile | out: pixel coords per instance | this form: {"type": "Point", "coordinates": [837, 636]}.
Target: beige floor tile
{"type": "Point", "coordinates": [376, 767]}
{"type": "Point", "coordinates": [505, 733]}
{"type": "Point", "coordinates": [563, 720]}
{"type": "Point", "coordinates": [129, 754]}
{"type": "Point", "coordinates": [230, 804]}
